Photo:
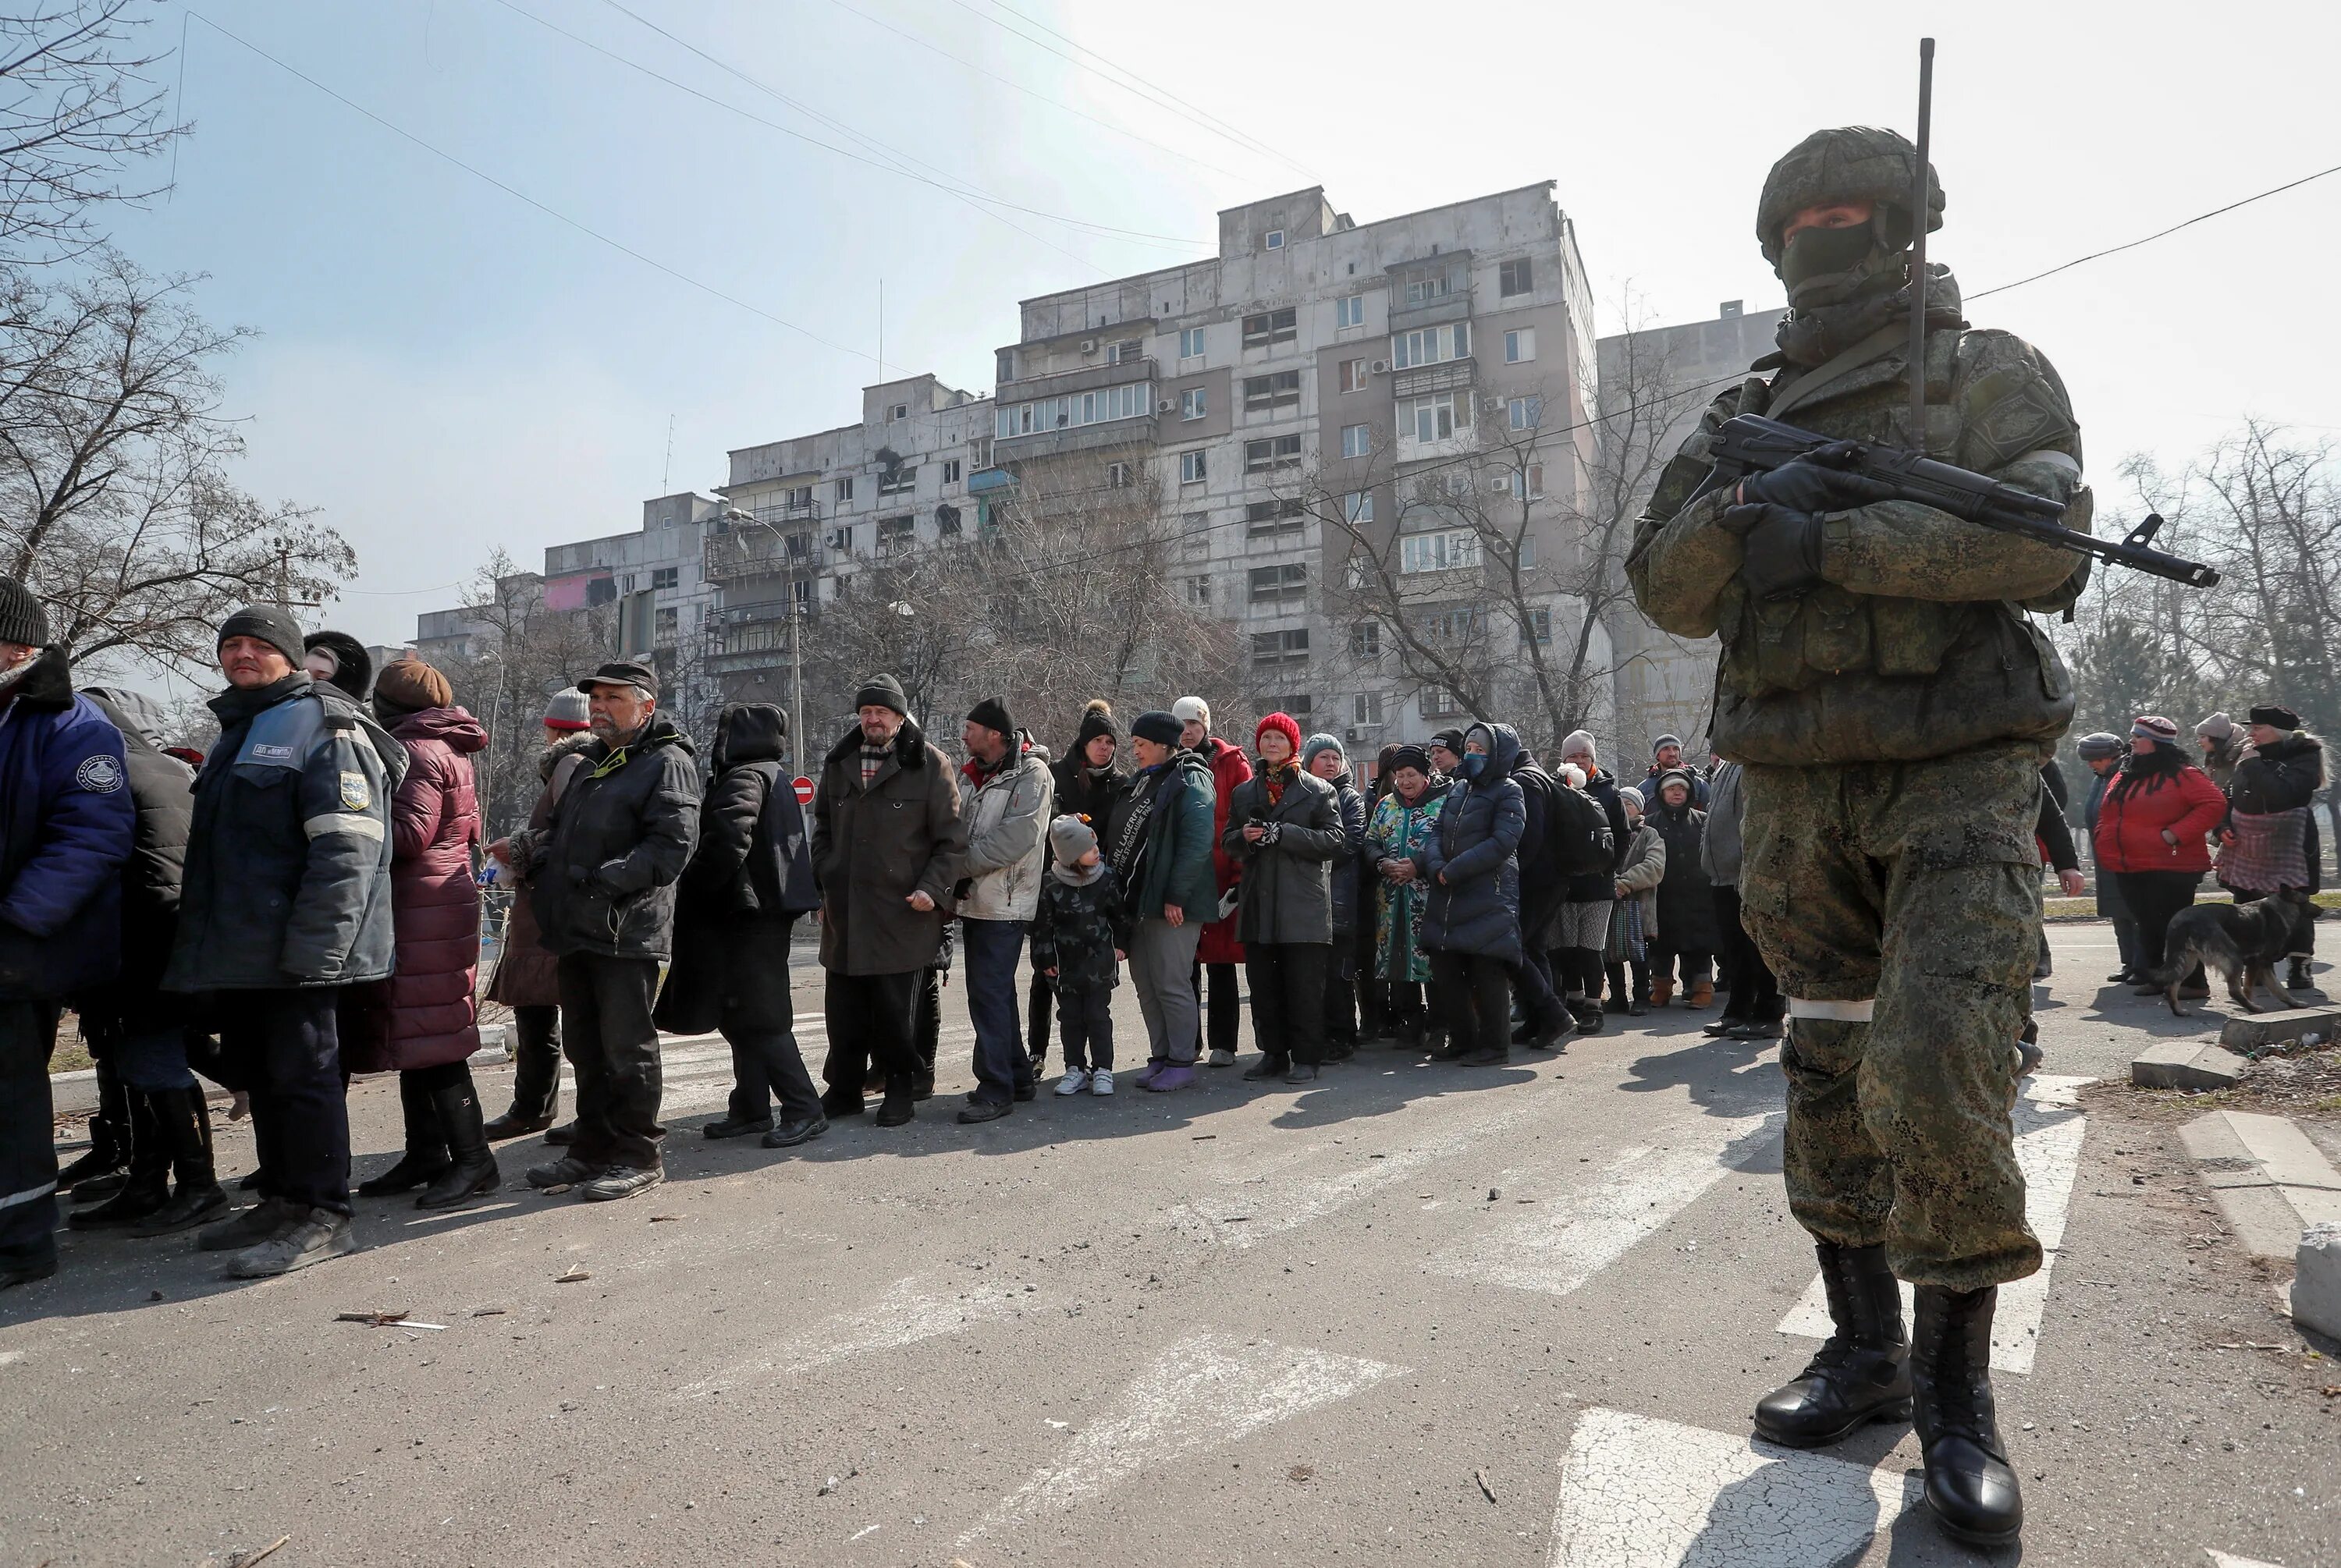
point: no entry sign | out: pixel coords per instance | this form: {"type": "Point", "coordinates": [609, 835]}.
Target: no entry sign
{"type": "Point", "coordinates": [805, 791]}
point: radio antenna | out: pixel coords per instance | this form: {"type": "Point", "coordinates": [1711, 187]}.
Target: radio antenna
{"type": "Point", "coordinates": [1918, 215]}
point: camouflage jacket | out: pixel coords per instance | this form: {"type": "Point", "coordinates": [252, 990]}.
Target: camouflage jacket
{"type": "Point", "coordinates": [1915, 643]}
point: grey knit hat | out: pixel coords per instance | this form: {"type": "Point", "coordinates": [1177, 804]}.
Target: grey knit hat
{"type": "Point", "coordinates": [1320, 741]}
{"type": "Point", "coordinates": [567, 709]}
{"type": "Point", "coordinates": [23, 620]}
{"type": "Point", "coordinates": [1069, 838]}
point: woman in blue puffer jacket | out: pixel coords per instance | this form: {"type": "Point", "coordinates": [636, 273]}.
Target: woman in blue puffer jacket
{"type": "Point", "coordinates": [1471, 920]}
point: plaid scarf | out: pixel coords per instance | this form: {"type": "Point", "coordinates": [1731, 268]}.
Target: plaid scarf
{"type": "Point", "coordinates": [873, 758]}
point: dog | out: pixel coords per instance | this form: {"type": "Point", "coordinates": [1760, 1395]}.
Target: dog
{"type": "Point", "coordinates": [2244, 941]}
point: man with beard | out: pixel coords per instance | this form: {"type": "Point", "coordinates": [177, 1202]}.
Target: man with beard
{"type": "Point", "coordinates": [1892, 705]}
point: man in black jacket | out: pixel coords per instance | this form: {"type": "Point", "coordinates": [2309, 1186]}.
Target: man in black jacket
{"type": "Point", "coordinates": [601, 880]}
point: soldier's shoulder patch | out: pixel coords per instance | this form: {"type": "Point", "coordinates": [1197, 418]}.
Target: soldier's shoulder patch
{"type": "Point", "coordinates": [356, 794]}
{"type": "Point", "coordinates": [100, 775]}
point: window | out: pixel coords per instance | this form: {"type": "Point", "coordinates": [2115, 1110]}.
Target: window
{"type": "Point", "coordinates": [1435, 418]}
{"type": "Point", "coordinates": [1538, 628]}
{"type": "Point", "coordinates": [1270, 453]}
{"type": "Point", "coordinates": [1195, 403]}
{"type": "Point", "coordinates": [1431, 345]}
{"type": "Point", "coordinates": [665, 576]}
{"type": "Point", "coordinates": [1190, 344]}
{"type": "Point", "coordinates": [1354, 376]}
{"type": "Point", "coordinates": [1007, 364]}
{"type": "Point", "coordinates": [899, 411]}
{"type": "Point", "coordinates": [1523, 483]}
{"type": "Point", "coordinates": [804, 589]}
{"type": "Point", "coordinates": [1524, 413]}
{"type": "Point", "coordinates": [1357, 506]}
{"type": "Point", "coordinates": [842, 539]}
{"type": "Point", "coordinates": [1262, 518]}
{"type": "Point", "coordinates": [1422, 291]}
{"type": "Point", "coordinates": [1274, 647]}
{"type": "Point", "coordinates": [946, 522]}
{"type": "Point", "coordinates": [1366, 707]}
{"type": "Point", "coordinates": [1199, 590]}
{"type": "Point", "coordinates": [1514, 278]}
{"type": "Point", "coordinates": [1439, 702]}
{"type": "Point", "coordinates": [1365, 641]}
{"type": "Point", "coordinates": [1350, 311]}
{"type": "Point", "coordinates": [1120, 476]}
{"type": "Point", "coordinates": [1275, 240]}
{"type": "Point", "coordinates": [1271, 327]}
{"type": "Point", "coordinates": [1296, 703]}
{"type": "Point", "coordinates": [895, 533]}
{"type": "Point", "coordinates": [1191, 467]}
{"type": "Point", "coordinates": [1519, 345]}
{"type": "Point", "coordinates": [845, 488]}
{"type": "Point", "coordinates": [903, 477]}
{"type": "Point", "coordinates": [1437, 551]}
{"type": "Point", "coordinates": [1280, 390]}
{"type": "Point", "coordinates": [665, 625]}
{"type": "Point", "coordinates": [1357, 441]}
{"type": "Point", "coordinates": [1128, 400]}
{"type": "Point", "coordinates": [1196, 527]}
{"type": "Point", "coordinates": [1129, 351]}
{"type": "Point", "coordinates": [1273, 584]}
{"type": "Point", "coordinates": [1453, 625]}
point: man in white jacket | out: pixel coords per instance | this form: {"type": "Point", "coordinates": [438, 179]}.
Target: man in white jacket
{"type": "Point", "coordinates": [1005, 794]}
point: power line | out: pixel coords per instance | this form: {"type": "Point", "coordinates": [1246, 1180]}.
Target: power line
{"type": "Point", "coordinates": [2159, 233]}
{"type": "Point", "coordinates": [1160, 97]}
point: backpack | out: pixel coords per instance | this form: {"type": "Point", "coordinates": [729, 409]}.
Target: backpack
{"type": "Point", "coordinates": [1579, 843]}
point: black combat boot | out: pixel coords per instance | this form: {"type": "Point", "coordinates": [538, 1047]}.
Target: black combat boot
{"type": "Point", "coordinates": [185, 1122]}
{"type": "Point", "coordinates": [109, 1138]}
{"type": "Point", "coordinates": [1862, 1372]}
{"type": "Point", "coordinates": [472, 1163]}
{"type": "Point", "coordinates": [1970, 1484]}
{"type": "Point", "coordinates": [425, 1159]}
{"type": "Point", "coordinates": [148, 1184]}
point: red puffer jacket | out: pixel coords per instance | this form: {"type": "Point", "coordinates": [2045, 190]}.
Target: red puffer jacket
{"type": "Point", "coordinates": [1230, 767]}
{"type": "Point", "coordinates": [2139, 808]}
{"type": "Point", "coordinates": [432, 1017]}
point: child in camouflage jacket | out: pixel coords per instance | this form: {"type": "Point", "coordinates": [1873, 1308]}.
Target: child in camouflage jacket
{"type": "Point", "coordinates": [1081, 932]}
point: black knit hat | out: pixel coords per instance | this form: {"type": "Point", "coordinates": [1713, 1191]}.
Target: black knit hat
{"type": "Point", "coordinates": [1453, 739]}
{"type": "Point", "coordinates": [992, 714]}
{"type": "Point", "coordinates": [354, 666]}
{"type": "Point", "coordinates": [1413, 757]}
{"type": "Point", "coordinates": [272, 626]}
{"type": "Point", "coordinates": [883, 691]}
{"type": "Point", "coordinates": [1158, 727]}
{"type": "Point", "coordinates": [23, 620]}
{"type": "Point", "coordinates": [2276, 716]}
{"type": "Point", "coordinates": [1097, 720]}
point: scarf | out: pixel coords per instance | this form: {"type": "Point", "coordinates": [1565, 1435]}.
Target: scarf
{"type": "Point", "coordinates": [1814, 337]}
{"type": "Point", "coordinates": [1273, 779]}
{"type": "Point", "coordinates": [1076, 876]}
{"type": "Point", "coordinates": [2147, 771]}
{"type": "Point", "coordinates": [873, 758]}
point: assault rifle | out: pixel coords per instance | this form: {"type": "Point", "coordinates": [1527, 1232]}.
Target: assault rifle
{"type": "Point", "coordinates": [1749, 443]}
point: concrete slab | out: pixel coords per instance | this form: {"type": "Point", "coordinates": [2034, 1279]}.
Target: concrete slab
{"type": "Point", "coordinates": [2317, 1280]}
{"type": "Point", "coordinates": [2270, 1181]}
{"type": "Point", "coordinates": [2186, 1065]}
{"type": "Point", "coordinates": [2249, 1031]}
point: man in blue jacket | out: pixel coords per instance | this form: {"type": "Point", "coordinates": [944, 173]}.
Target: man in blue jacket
{"type": "Point", "coordinates": [287, 901]}
{"type": "Point", "coordinates": [66, 826]}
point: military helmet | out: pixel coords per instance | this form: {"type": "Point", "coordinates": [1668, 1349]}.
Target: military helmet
{"type": "Point", "coordinates": [1855, 163]}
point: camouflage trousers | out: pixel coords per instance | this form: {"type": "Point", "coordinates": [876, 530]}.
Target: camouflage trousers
{"type": "Point", "coordinates": [1900, 905]}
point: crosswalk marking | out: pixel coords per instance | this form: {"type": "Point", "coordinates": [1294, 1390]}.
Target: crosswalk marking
{"type": "Point", "coordinates": [1640, 1492]}
{"type": "Point", "coordinates": [2228, 1560]}
{"type": "Point", "coordinates": [911, 1311]}
{"type": "Point", "coordinates": [2050, 1127]}
{"type": "Point", "coordinates": [1572, 1237]}
{"type": "Point", "coordinates": [1205, 1391]}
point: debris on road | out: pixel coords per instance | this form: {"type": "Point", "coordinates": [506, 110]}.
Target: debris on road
{"type": "Point", "coordinates": [1482, 1477]}
{"type": "Point", "coordinates": [556, 1189]}
{"type": "Point", "coordinates": [246, 1559]}
{"type": "Point", "coordinates": [665, 1218]}
{"type": "Point", "coordinates": [574, 1276]}
{"type": "Point", "coordinates": [487, 1312]}
{"type": "Point", "coordinates": [376, 1318]}
{"type": "Point", "coordinates": [1301, 1474]}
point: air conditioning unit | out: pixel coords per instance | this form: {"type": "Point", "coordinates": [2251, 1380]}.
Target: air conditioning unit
{"type": "Point", "coordinates": [1500, 486]}
{"type": "Point", "coordinates": [1165, 406]}
{"type": "Point", "coordinates": [1088, 345]}
{"type": "Point", "coordinates": [1382, 367]}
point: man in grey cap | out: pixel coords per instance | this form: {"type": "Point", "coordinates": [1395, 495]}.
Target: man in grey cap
{"type": "Point", "coordinates": [601, 879]}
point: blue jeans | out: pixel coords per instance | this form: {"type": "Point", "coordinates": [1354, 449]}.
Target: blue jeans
{"type": "Point", "coordinates": [990, 950]}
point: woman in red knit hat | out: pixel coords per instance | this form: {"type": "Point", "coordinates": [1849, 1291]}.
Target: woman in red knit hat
{"type": "Point", "coordinates": [1285, 826]}
{"type": "Point", "coordinates": [2152, 835]}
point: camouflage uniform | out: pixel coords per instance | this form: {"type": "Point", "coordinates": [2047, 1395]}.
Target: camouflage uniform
{"type": "Point", "coordinates": [1892, 718]}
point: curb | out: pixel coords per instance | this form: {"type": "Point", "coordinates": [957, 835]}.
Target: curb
{"type": "Point", "coordinates": [2272, 1184]}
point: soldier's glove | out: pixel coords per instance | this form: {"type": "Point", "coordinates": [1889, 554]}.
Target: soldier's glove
{"type": "Point", "coordinates": [1780, 549]}
{"type": "Point", "coordinates": [1818, 482]}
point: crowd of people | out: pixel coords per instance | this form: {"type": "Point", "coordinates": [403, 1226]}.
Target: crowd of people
{"type": "Point", "coordinates": [301, 904]}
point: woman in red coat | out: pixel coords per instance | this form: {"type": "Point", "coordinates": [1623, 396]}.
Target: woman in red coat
{"type": "Point", "coordinates": [432, 1014]}
{"type": "Point", "coordinates": [2152, 835]}
{"type": "Point", "coordinates": [1219, 952]}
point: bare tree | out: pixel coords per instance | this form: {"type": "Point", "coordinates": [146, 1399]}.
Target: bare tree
{"type": "Point", "coordinates": [115, 500]}
{"type": "Point", "coordinates": [77, 111]}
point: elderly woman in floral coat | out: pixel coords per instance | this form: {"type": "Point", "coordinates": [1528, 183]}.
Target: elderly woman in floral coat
{"type": "Point", "coordinates": [1402, 823]}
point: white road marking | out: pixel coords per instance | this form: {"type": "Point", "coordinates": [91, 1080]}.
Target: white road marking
{"type": "Point", "coordinates": [1570, 1237]}
{"type": "Point", "coordinates": [905, 1314]}
{"type": "Point", "coordinates": [2228, 1560]}
{"type": "Point", "coordinates": [1640, 1493]}
{"type": "Point", "coordinates": [1205, 1391]}
{"type": "Point", "coordinates": [2049, 1128]}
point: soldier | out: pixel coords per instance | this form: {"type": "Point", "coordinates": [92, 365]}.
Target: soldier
{"type": "Point", "coordinates": [1892, 708]}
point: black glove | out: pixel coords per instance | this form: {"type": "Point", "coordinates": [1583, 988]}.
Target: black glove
{"type": "Point", "coordinates": [1781, 549]}
{"type": "Point", "coordinates": [1815, 482]}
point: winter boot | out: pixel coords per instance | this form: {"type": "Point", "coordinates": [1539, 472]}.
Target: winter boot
{"type": "Point", "coordinates": [472, 1170]}
{"type": "Point", "coordinates": [1702, 994]}
{"type": "Point", "coordinates": [896, 1109]}
{"type": "Point", "coordinates": [1662, 990]}
{"type": "Point", "coordinates": [185, 1122]}
{"type": "Point", "coordinates": [147, 1185]}
{"type": "Point", "coordinates": [109, 1135]}
{"type": "Point", "coordinates": [1862, 1372]}
{"type": "Point", "coordinates": [425, 1159]}
{"type": "Point", "coordinates": [1970, 1484]}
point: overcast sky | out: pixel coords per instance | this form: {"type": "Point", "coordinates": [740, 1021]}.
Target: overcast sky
{"type": "Point", "coordinates": [442, 368]}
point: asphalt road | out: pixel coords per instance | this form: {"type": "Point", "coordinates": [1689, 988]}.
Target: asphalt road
{"type": "Point", "coordinates": [1416, 1314]}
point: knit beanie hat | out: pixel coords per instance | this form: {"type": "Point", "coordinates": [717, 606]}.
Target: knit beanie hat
{"type": "Point", "coordinates": [885, 691]}
{"type": "Point", "coordinates": [410, 686]}
{"type": "Point", "coordinates": [2276, 716]}
{"type": "Point", "coordinates": [992, 713]}
{"type": "Point", "coordinates": [1192, 710]}
{"type": "Point", "coordinates": [1663, 741]}
{"type": "Point", "coordinates": [1413, 757]}
{"type": "Point", "coordinates": [1070, 837]}
{"type": "Point", "coordinates": [1630, 795]}
{"type": "Point", "coordinates": [23, 620]}
{"type": "Point", "coordinates": [2218, 727]}
{"type": "Point", "coordinates": [568, 708]}
{"type": "Point", "coordinates": [1283, 724]}
{"type": "Point", "coordinates": [2100, 744]}
{"type": "Point", "coordinates": [2154, 727]}
{"type": "Point", "coordinates": [1158, 727]}
{"type": "Point", "coordinates": [1449, 740]}
{"type": "Point", "coordinates": [1097, 720]}
{"type": "Point", "coordinates": [1676, 776]}
{"type": "Point", "coordinates": [1322, 741]}
{"type": "Point", "coordinates": [352, 666]}
{"type": "Point", "coordinates": [272, 626]}
{"type": "Point", "coordinates": [1578, 741]}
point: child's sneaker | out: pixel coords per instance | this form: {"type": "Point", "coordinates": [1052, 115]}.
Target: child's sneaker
{"type": "Point", "coordinates": [1102, 1081]}
{"type": "Point", "coordinates": [1075, 1080]}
